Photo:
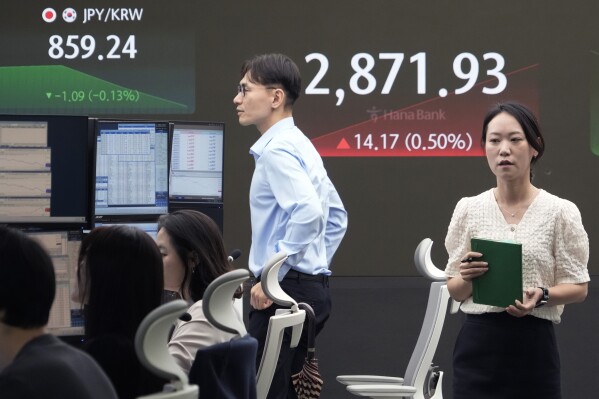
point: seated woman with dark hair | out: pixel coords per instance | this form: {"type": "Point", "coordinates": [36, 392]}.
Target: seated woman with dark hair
{"type": "Point", "coordinates": [193, 255]}
{"type": "Point", "coordinates": [120, 281]}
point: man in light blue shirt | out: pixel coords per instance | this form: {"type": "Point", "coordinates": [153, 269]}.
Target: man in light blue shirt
{"type": "Point", "coordinates": [293, 204]}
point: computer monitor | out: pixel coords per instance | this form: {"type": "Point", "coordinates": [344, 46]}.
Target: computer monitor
{"type": "Point", "coordinates": [66, 316]}
{"type": "Point", "coordinates": [196, 168]}
{"type": "Point", "coordinates": [150, 228]}
{"type": "Point", "coordinates": [131, 170]}
{"type": "Point", "coordinates": [45, 171]}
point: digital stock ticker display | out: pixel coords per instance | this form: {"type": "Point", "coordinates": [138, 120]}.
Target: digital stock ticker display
{"type": "Point", "coordinates": [393, 94]}
{"type": "Point", "coordinates": [99, 60]}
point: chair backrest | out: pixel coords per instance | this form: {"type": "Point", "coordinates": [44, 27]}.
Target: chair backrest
{"type": "Point", "coordinates": [270, 281]}
{"type": "Point", "coordinates": [434, 317]}
{"type": "Point", "coordinates": [217, 302]}
{"type": "Point", "coordinates": [283, 318]}
{"type": "Point", "coordinates": [151, 346]}
{"type": "Point", "coordinates": [426, 267]}
{"type": "Point", "coordinates": [424, 263]}
{"type": "Point", "coordinates": [428, 339]}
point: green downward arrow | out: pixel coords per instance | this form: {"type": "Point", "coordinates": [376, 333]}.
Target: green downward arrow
{"type": "Point", "coordinates": [48, 95]}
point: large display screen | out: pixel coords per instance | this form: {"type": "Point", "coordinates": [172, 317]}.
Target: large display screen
{"type": "Point", "coordinates": [93, 58]}
{"type": "Point", "coordinates": [436, 126]}
{"type": "Point", "coordinates": [394, 94]}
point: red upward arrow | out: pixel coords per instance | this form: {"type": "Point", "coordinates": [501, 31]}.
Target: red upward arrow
{"type": "Point", "coordinates": [343, 145]}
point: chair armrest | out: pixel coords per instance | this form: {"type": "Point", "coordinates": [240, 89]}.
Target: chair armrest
{"type": "Point", "coordinates": [387, 390]}
{"type": "Point", "coordinates": [454, 307]}
{"type": "Point", "coordinates": [368, 380]}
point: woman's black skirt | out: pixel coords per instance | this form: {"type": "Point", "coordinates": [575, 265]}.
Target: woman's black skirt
{"type": "Point", "coordinates": [499, 356]}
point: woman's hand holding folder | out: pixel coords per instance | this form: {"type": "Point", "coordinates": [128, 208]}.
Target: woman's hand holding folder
{"type": "Point", "coordinates": [471, 268]}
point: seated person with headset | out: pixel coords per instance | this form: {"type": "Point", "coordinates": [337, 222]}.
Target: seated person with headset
{"type": "Point", "coordinates": [34, 364]}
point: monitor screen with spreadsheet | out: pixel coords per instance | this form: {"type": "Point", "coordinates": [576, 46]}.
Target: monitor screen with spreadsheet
{"type": "Point", "coordinates": [131, 169]}
{"type": "Point", "coordinates": [66, 315]}
{"type": "Point", "coordinates": [196, 168]}
{"type": "Point", "coordinates": [45, 171]}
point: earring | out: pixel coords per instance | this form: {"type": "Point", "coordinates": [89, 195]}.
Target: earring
{"type": "Point", "coordinates": [194, 260]}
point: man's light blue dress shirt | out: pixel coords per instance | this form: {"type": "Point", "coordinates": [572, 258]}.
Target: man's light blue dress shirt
{"type": "Point", "coordinates": [293, 204]}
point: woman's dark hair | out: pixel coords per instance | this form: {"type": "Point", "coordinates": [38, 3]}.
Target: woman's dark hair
{"type": "Point", "coordinates": [120, 279]}
{"type": "Point", "coordinates": [199, 243]}
{"type": "Point", "coordinates": [27, 280]}
{"type": "Point", "coordinates": [527, 120]}
{"type": "Point", "coordinates": [275, 70]}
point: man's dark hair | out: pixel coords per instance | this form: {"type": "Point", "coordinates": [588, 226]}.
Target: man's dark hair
{"type": "Point", "coordinates": [27, 280]}
{"type": "Point", "coordinates": [274, 70]}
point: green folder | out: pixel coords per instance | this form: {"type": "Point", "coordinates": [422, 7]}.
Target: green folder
{"type": "Point", "coordinates": [501, 285]}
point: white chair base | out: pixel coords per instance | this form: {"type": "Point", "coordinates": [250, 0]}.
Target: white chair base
{"type": "Point", "coordinates": [394, 390]}
{"type": "Point", "coordinates": [368, 380]}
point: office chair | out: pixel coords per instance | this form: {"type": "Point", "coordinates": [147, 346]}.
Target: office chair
{"type": "Point", "coordinates": [293, 317]}
{"type": "Point", "coordinates": [414, 383]}
{"type": "Point", "coordinates": [151, 347]}
{"type": "Point", "coordinates": [228, 369]}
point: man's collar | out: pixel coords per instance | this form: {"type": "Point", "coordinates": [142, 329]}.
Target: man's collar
{"type": "Point", "coordinates": [258, 147]}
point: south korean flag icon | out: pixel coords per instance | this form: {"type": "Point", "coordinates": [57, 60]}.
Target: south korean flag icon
{"type": "Point", "coordinates": [69, 15]}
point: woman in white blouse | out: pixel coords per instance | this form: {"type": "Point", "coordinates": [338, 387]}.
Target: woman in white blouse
{"type": "Point", "coordinates": [193, 255]}
{"type": "Point", "coordinates": [512, 352]}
